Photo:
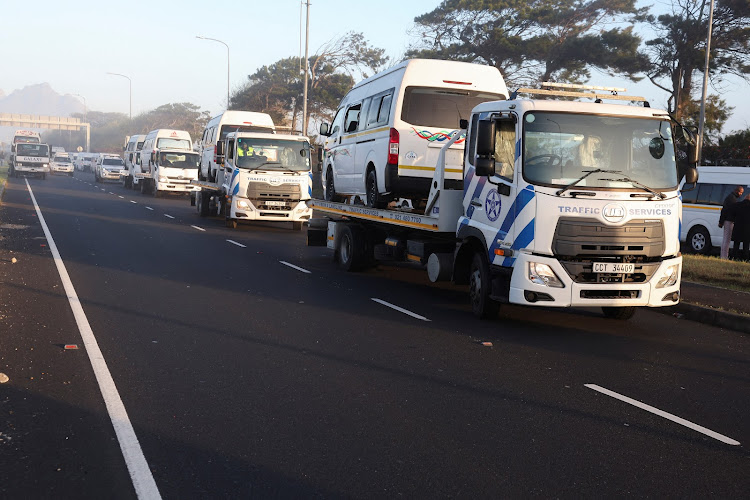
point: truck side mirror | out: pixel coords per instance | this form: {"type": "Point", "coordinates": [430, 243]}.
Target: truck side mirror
{"type": "Point", "coordinates": [484, 160]}
{"type": "Point", "coordinates": [219, 148]}
{"type": "Point", "coordinates": [153, 157]}
{"type": "Point", "coordinates": [324, 129]}
{"type": "Point", "coordinates": [691, 179]}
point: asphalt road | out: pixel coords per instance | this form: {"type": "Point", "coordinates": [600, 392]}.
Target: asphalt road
{"type": "Point", "coordinates": [255, 368]}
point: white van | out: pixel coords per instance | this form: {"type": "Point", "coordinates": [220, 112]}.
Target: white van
{"type": "Point", "coordinates": [217, 130]}
{"type": "Point", "coordinates": [162, 138]}
{"type": "Point", "coordinates": [131, 149]}
{"type": "Point", "coordinates": [701, 206]}
{"type": "Point", "coordinates": [387, 134]}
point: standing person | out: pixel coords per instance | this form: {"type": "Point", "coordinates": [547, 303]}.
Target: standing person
{"type": "Point", "coordinates": [741, 232]}
{"type": "Point", "coordinates": [726, 219]}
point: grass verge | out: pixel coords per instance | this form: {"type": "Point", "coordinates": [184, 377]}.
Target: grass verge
{"type": "Point", "coordinates": [3, 173]}
{"type": "Point", "coordinates": [716, 272]}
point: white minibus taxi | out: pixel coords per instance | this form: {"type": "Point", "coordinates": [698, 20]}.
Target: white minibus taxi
{"type": "Point", "coordinates": [217, 130]}
{"type": "Point", "coordinates": [386, 136]}
{"type": "Point", "coordinates": [701, 206]}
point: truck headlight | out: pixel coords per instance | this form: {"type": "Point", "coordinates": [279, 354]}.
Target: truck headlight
{"type": "Point", "coordinates": [669, 277]}
{"type": "Point", "coordinates": [163, 179]}
{"type": "Point", "coordinates": [542, 274]}
{"type": "Point", "coordinates": [243, 204]}
{"type": "Point", "coordinates": [45, 165]}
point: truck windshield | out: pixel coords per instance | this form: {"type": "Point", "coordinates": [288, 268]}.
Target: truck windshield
{"type": "Point", "coordinates": [560, 148]}
{"type": "Point", "coordinates": [179, 160]}
{"type": "Point", "coordinates": [32, 150]}
{"type": "Point", "coordinates": [441, 108]}
{"type": "Point", "coordinates": [273, 154]}
{"type": "Point", "coordinates": [169, 143]}
{"type": "Point", "coordinates": [228, 129]}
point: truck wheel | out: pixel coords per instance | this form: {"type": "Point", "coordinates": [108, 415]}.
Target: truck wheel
{"type": "Point", "coordinates": [297, 226]}
{"type": "Point", "coordinates": [201, 204]}
{"type": "Point", "coordinates": [620, 313]}
{"type": "Point", "coordinates": [230, 223]}
{"type": "Point", "coordinates": [350, 251]}
{"type": "Point", "coordinates": [480, 287]}
{"type": "Point", "coordinates": [699, 240]}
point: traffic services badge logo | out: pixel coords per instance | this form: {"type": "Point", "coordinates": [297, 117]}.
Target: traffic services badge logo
{"type": "Point", "coordinates": [614, 212]}
{"type": "Point", "coordinates": [492, 205]}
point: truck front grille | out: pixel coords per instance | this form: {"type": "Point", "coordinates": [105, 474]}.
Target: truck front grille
{"type": "Point", "coordinates": [260, 193]}
{"type": "Point", "coordinates": [589, 237]}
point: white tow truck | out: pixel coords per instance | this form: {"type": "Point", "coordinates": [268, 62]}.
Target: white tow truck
{"type": "Point", "coordinates": [564, 204]}
{"type": "Point", "coordinates": [263, 177]}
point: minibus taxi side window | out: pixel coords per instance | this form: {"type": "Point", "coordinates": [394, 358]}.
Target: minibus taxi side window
{"type": "Point", "coordinates": [690, 196]}
{"type": "Point", "coordinates": [704, 193]}
{"type": "Point", "coordinates": [352, 118]}
{"type": "Point", "coordinates": [364, 112]}
{"type": "Point", "coordinates": [717, 195]}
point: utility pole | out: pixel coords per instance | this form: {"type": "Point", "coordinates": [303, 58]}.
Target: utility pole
{"type": "Point", "coordinates": [307, 67]}
{"type": "Point", "coordinates": [705, 84]}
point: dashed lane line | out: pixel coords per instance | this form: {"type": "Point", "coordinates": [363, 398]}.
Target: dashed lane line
{"type": "Point", "coordinates": [149, 208]}
{"type": "Point", "coordinates": [295, 267]}
{"type": "Point", "coordinates": [198, 228]}
{"type": "Point", "coordinates": [235, 243]}
{"type": "Point", "coordinates": [399, 309]}
{"type": "Point", "coordinates": [132, 201]}
{"type": "Point", "coordinates": [140, 473]}
{"type": "Point", "coordinates": [120, 196]}
{"type": "Point", "coordinates": [169, 216]}
{"type": "Point", "coordinates": [664, 414]}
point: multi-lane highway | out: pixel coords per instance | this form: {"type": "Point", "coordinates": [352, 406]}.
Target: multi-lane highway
{"type": "Point", "coordinates": [215, 363]}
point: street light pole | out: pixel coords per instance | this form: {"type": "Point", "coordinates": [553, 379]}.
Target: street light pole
{"type": "Point", "coordinates": [702, 119]}
{"type": "Point", "coordinates": [307, 67]}
{"type": "Point", "coordinates": [227, 46]}
{"type": "Point", "coordinates": [130, 91]}
{"type": "Point", "coordinates": [86, 121]}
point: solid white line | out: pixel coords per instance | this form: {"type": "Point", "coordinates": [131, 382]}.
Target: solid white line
{"type": "Point", "coordinates": [295, 267]}
{"type": "Point", "coordinates": [400, 309]}
{"type": "Point", "coordinates": [140, 474]}
{"type": "Point", "coordinates": [235, 243]}
{"type": "Point", "coordinates": [149, 208]}
{"type": "Point", "coordinates": [664, 414]}
{"type": "Point", "coordinates": [198, 228]}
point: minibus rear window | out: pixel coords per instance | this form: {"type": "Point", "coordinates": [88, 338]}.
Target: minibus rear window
{"type": "Point", "coordinates": [441, 108]}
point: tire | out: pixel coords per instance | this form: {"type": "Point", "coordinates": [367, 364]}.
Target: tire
{"type": "Point", "coordinates": [373, 195]}
{"type": "Point", "coordinates": [230, 223]}
{"type": "Point", "coordinates": [330, 188]}
{"type": "Point", "coordinates": [350, 251]}
{"type": "Point", "coordinates": [698, 240]}
{"type": "Point", "coordinates": [619, 313]}
{"type": "Point", "coordinates": [297, 226]}
{"type": "Point", "coordinates": [480, 288]}
{"type": "Point", "coordinates": [143, 186]}
{"type": "Point", "coordinates": [201, 204]}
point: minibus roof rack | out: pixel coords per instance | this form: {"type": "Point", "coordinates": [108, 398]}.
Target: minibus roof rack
{"type": "Point", "coordinates": [577, 90]}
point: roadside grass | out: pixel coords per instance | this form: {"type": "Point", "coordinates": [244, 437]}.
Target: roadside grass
{"type": "Point", "coordinates": [3, 172]}
{"type": "Point", "coordinates": [716, 272]}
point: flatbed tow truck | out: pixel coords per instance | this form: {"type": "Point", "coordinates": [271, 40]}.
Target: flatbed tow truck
{"type": "Point", "coordinates": [564, 204]}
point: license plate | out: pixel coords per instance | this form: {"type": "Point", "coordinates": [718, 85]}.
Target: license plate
{"type": "Point", "coordinates": [274, 203]}
{"type": "Point", "coordinates": [613, 267]}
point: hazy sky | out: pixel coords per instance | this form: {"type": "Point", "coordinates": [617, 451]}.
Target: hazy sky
{"type": "Point", "coordinates": [76, 42]}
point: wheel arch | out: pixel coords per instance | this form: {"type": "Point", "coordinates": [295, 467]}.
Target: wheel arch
{"type": "Point", "coordinates": [472, 241]}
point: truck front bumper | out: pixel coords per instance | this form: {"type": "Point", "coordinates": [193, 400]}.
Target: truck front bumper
{"type": "Point", "coordinates": [572, 294]}
{"type": "Point", "coordinates": [244, 209]}
{"type": "Point", "coordinates": [25, 169]}
{"type": "Point", "coordinates": [177, 187]}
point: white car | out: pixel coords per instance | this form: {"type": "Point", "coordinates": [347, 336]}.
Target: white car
{"type": "Point", "coordinates": [108, 168]}
{"type": "Point", "coordinates": [61, 164]}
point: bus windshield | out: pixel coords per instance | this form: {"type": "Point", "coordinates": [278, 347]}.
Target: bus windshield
{"type": "Point", "coordinates": [560, 148]}
{"type": "Point", "coordinates": [169, 143]}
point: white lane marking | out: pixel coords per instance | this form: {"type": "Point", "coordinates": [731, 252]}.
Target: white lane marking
{"type": "Point", "coordinates": [400, 309]}
{"type": "Point", "coordinates": [664, 414]}
{"type": "Point", "coordinates": [131, 201]}
{"type": "Point", "coordinates": [111, 192]}
{"type": "Point", "coordinates": [294, 267]}
{"type": "Point", "coordinates": [198, 228]}
{"type": "Point", "coordinates": [120, 196]}
{"type": "Point", "coordinates": [102, 189]}
{"type": "Point", "coordinates": [235, 243]}
{"type": "Point", "coordinates": [149, 208]}
{"type": "Point", "coordinates": [167, 215]}
{"type": "Point", "coordinates": [140, 474]}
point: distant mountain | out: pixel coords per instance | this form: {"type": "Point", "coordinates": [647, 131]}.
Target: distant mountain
{"type": "Point", "coordinates": [39, 99]}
